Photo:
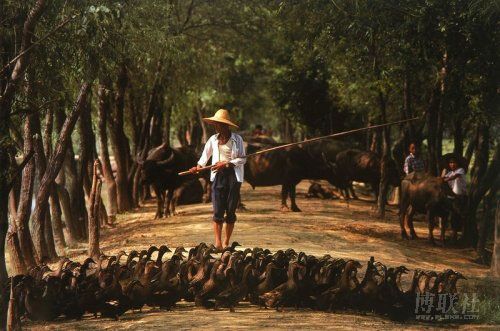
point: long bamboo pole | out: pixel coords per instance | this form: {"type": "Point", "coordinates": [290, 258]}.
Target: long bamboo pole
{"type": "Point", "coordinates": [307, 141]}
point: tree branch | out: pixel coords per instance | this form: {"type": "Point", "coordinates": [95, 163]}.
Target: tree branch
{"type": "Point", "coordinates": [23, 52]}
{"type": "Point", "coordinates": [22, 59]}
{"type": "Point", "coordinates": [17, 169]}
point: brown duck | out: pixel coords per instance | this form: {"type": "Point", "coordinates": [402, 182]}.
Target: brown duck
{"type": "Point", "coordinates": [337, 296]}
{"type": "Point", "coordinates": [235, 292]}
{"type": "Point", "coordinates": [287, 293]}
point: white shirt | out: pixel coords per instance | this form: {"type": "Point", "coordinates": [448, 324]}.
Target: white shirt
{"type": "Point", "coordinates": [237, 155]}
{"type": "Point", "coordinates": [225, 151]}
{"type": "Point", "coordinates": [457, 185]}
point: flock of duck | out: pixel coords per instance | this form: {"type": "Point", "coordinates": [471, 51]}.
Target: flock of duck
{"type": "Point", "coordinates": [113, 285]}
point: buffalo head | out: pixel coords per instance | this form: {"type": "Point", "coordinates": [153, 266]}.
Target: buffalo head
{"type": "Point", "coordinates": [334, 174]}
{"type": "Point", "coordinates": [151, 170]}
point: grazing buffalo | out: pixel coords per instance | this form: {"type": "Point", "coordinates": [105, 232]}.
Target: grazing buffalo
{"type": "Point", "coordinates": [428, 195]}
{"type": "Point", "coordinates": [160, 170]}
{"type": "Point", "coordinates": [287, 167]}
{"type": "Point", "coordinates": [364, 167]}
{"type": "Point", "coordinates": [318, 191]}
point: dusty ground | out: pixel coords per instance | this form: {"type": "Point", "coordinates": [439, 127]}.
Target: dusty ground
{"type": "Point", "coordinates": [324, 226]}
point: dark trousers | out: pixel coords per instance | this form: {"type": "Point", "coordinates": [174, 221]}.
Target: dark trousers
{"type": "Point", "coordinates": [225, 196]}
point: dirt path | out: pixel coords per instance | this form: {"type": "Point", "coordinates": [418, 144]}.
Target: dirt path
{"type": "Point", "coordinates": [324, 226]}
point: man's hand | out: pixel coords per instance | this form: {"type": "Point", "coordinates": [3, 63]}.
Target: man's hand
{"type": "Point", "coordinates": [220, 165]}
{"type": "Point", "coordinates": [195, 170]}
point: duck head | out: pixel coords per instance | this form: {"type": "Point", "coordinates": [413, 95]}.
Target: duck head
{"type": "Point", "coordinates": [234, 245]}
{"type": "Point", "coordinates": [180, 251]}
{"type": "Point", "coordinates": [142, 254]}
{"type": "Point", "coordinates": [132, 255]}
{"type": "Point", "coordinates": [150, 251]}
{"type": "Point", "coordinates": [164, 249]}
{"type": "Point", "coordinates": [119, 256]}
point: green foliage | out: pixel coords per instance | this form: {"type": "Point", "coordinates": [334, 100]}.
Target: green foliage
{"type": "Point", "coordinates": [322, 64]}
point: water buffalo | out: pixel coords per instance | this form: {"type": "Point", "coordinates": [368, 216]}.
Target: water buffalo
{"type": "Point", "coordinates": [160, 170]}
{"type": "Point", "coordinates": [318, 191]}
{"type": "Point", "coordinates": [428, 195]}
{"type": "Point", "coordinates": [364, 167]}
{"type": "Point", "coordinates": [189, 192]}
{"type": "Point", "coordinates": [287, 167]}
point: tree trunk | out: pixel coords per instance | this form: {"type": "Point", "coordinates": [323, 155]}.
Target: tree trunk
{"type": "Point", "coordinates": [167, 125]}
{"type": "Point", "coordinates": [135, 120]}
{"type": "Point", "coordinates": [17, 265]}
{"type": "Point", "coordinates": [495, 259]}
{"type": "Point", "coordinates": [57, 226]}
{"type": "Point", "coordinates": [478, 186]}
{"type": "Point", "coordinates": [109, 179]}
{"type": "Point", "coordinates": [471, 147]}
{"type": "Point", "coordinates": [487, 222]}
{"type": "Point", "coordinates": [487, 188]}
{"type": "Point", "coordinates": [369, 134]}
{"type": "Point", "coordinates": [156, 125]}
{"type": "Point", "coordinates": [439, 139]}
{"type": "Point", "coordinates": [4, 200]}
{"type": "Point", "coordinates": [442, 108]}
{"type": "Point", "coordinates": [458, 137]}
{"type": "Point", "coordinates": [49, 235]}
{"type": "Point", "coordinates": [53, 168]}
{"type": "Point", "coordinates": [88, 155]}
{"type": "Point", "coordinates": [94, 206]}
{"type": "Point", "coordinates": [204, 130]}
{"type": "Point", "coordinates": [432, 134]}
{"type": "Point", "coordinates": [384, 173]}
{"type": "Point", "coordinates": [55, 208]}
{"type": "Point", "coordinates": [16, 261]}
{"type": "Point", "coordinates": [5, 161]}
{"type": "Point", "coordinates": [287, 130]}
{"type": "Point", "coordinates": [70, 191]}
{"type": "Point", "coordinates": [23, 236]}
{"type": "Point", "coordinates": [13, 196]}
{"type": "Point", "coordinates": [195, 133]}
{"type": "Point", "coordinates": [145, 136]}
{"type": "Point", "coordinates": [48, 248]}
{"type": "Point", "coordinates": [407, 107]}
{"type": "Point", "coordinates": [376, 143]}
{"type": "Point", "coordinates": [86, 149]}
{"type": "Point", "coordinates": [6, 98]}
{"type": "Point", "coordinates": [121, 149]}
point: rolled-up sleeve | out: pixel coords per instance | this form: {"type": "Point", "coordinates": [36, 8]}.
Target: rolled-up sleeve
{"type": "Point", "coordinates": [241, 159]}
{"type": "Point", "coordinates": [207, 153]}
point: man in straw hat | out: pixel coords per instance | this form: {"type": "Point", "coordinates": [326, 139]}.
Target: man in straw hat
{"type": "Point", "coordinates": [227, 152]}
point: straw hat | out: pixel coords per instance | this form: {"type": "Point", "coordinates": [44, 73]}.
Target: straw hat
{"type": "Point", "coordinates": [221, 116]}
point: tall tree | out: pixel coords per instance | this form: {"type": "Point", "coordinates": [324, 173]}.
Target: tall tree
{"type": "Point", "coordinates": [54, 165]}
{"type": "Point", "coordinates": [9, 90]}
{"type": "Point", "coordinates": [104, 109]}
